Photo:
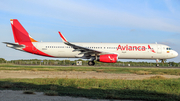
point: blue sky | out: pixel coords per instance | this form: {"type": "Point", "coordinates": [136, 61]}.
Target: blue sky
{"type": "Point", "coordinates": [110, 21]}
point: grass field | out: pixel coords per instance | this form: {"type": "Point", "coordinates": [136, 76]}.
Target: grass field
{"type": "Point", "coordinates": [154, 89]}
{"type": "Point", "coordinates": [140, 71]}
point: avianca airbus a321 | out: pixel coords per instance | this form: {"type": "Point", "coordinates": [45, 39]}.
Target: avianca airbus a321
{"type": "Point", "coordinates": [103, 52]}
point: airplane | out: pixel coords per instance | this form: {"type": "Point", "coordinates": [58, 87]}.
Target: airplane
{"type": "Point", "coordinates": [102, 52]}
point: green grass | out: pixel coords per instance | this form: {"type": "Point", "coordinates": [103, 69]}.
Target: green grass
{"type": "Point", "coordinates": [154, 89]}
{"type": "Point", "coordinates": [124, 70]}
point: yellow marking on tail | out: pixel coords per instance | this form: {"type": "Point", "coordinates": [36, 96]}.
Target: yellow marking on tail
{"type": "Point", "coordinates": [32, 40]}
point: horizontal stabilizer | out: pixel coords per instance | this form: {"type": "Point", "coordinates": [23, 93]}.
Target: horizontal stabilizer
{"type": "Point", "coordinates": [13, 44]}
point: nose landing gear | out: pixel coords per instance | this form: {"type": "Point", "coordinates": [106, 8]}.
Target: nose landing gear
{"type": "Point", "coordinates": [157, 64]}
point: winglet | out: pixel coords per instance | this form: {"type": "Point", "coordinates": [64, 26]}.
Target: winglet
{"type": "Point", "coordinates": [62, 37]}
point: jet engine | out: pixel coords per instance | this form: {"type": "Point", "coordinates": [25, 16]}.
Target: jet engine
{"type": "Point", "coordinates": [108, 58]}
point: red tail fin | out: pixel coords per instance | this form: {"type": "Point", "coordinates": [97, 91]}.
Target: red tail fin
{"type": "Point", "coordinates": [20, 34]}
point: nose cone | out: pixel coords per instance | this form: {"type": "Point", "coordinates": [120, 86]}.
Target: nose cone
{"type": "Point", "coordinates": [175, 54]}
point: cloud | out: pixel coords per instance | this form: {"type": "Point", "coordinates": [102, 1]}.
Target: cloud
{"type": "Point", "coordinates": [169, 6]}
{"type": "Point", "coordinates": [176, 35]}
{"type": "Point", "coordinates": [87, 14]}
{"type": "Point", "coordinates": [132, 30]}
{"type": "Point", "coordinates": [167, 43]}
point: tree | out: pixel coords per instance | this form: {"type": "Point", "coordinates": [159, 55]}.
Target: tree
{"type": "Point", "coordinates": [2, 60]}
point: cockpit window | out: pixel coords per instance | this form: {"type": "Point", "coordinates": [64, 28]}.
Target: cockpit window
{"type": "Point", "coordinates": [168, 49]}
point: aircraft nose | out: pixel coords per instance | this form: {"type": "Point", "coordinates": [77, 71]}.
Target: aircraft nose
{"type": "Point", "coordinates": [175, 54]}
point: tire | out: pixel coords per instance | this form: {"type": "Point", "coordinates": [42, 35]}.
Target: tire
{"type": "Point", "coordinates": [91, 63]}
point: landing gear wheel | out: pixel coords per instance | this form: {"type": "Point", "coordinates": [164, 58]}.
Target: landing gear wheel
{"type": "Point", "coordinates": [91, 63]}
{"type": "Point", "coordinates": [157, 60]}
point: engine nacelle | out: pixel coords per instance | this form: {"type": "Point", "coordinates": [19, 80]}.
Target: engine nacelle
{"type": "Point", "coordinates": [108, 58]}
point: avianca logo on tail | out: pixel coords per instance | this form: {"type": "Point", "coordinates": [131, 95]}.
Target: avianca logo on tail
{"type": "Point", "coordinates": [135, 48]}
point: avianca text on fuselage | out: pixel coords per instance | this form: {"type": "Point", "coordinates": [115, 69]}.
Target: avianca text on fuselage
{"type": "Point", "coordinates": [134, 48]}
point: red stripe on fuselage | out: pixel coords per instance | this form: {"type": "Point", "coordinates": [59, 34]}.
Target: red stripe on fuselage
{"type": "Point", "coordinates": [29, 47]}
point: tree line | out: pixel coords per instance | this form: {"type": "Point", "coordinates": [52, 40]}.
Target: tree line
{"type": "Point", "coordinates": [85, 63]}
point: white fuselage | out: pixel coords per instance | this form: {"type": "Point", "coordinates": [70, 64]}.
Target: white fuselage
{"type": "Point", "coordinates": [102, 52]}
{"type": "Point", "coordinates": [124, 50]}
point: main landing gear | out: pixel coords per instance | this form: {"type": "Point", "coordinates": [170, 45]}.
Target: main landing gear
{"type": "Point", "coordinates": [91, 63]}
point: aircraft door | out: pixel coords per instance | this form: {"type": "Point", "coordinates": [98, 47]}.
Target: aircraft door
{"type": "Point", "coordinates": [159, 49]}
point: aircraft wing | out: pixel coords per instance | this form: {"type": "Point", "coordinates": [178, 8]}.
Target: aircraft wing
{"type": "Point", "coordinates": [83, 50]}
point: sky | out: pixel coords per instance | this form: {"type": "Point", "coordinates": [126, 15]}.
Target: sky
{"type": "Point", "coordinates": [106, 21]}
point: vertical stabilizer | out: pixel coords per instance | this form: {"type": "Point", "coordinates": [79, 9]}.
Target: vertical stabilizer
{"type": "Point", "coordinates": [20, 34]}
